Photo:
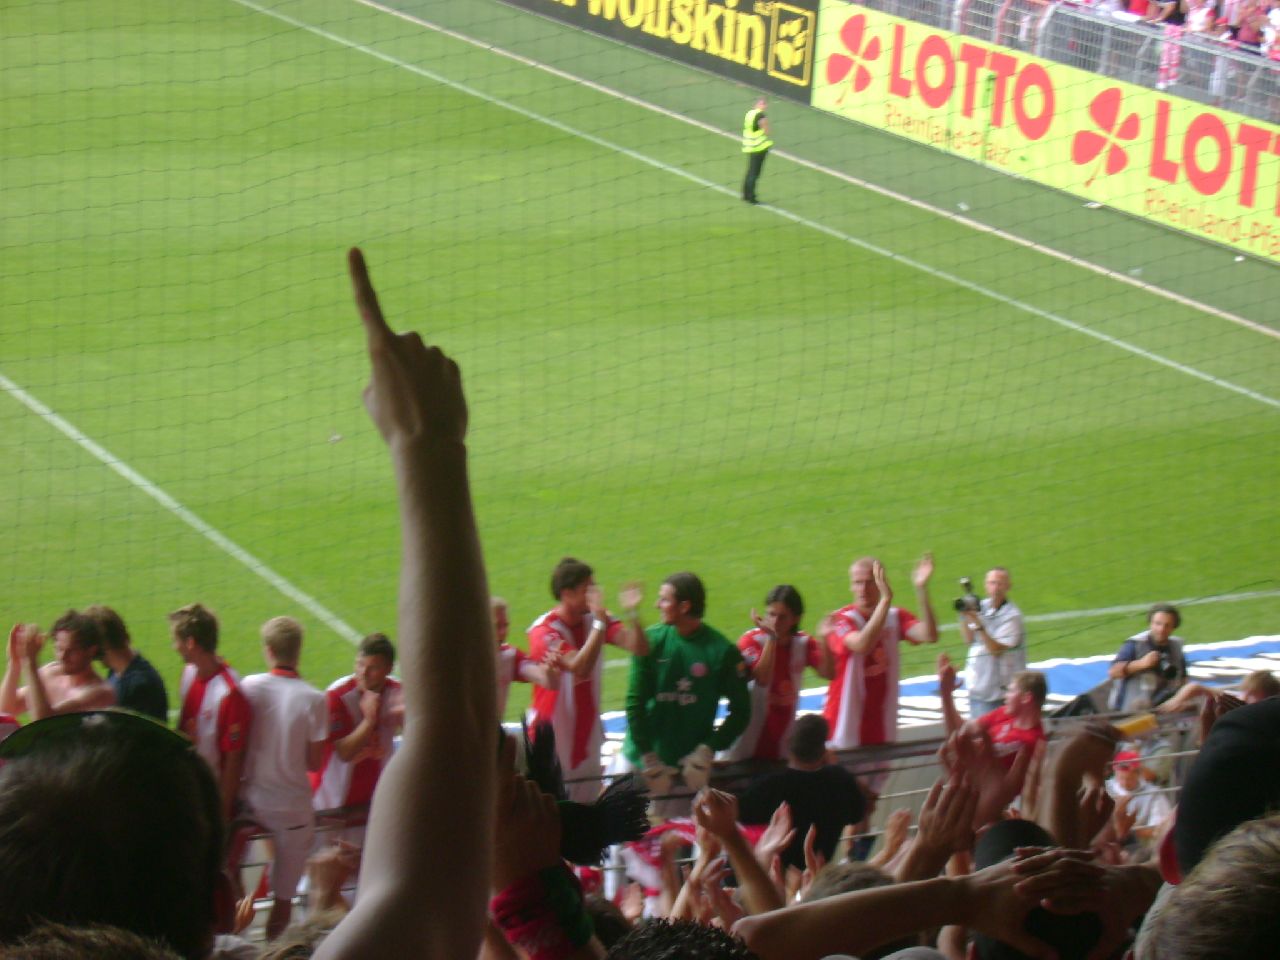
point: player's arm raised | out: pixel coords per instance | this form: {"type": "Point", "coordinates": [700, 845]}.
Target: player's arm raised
{"type": "Point", "coordinates": [926, 630]}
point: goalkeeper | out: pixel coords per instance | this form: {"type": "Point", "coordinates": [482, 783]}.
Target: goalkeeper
{"type": "Point", "coordinates": [674, 693]}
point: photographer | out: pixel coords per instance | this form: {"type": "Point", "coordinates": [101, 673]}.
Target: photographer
{"type": "Point", "coordinates": [996, 638]}
{"type": "Point", "coordinates": [1150, 667]}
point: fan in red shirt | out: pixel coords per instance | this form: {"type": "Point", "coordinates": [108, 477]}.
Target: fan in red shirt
{"type": "Point", "coordinates": [1017, 724]}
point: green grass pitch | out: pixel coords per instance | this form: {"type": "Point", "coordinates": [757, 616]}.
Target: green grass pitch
{"type": "Point", "coordinates": [660, 376]}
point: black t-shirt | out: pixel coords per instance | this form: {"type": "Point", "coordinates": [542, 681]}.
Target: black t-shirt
{"type": "Point", "coordinates": [141, 688]}
{"type": "Point", "coordinates": [829, 797]}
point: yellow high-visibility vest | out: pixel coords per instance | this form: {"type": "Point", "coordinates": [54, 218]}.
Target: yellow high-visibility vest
{"type": "Point", "coordinates": [754, 140]}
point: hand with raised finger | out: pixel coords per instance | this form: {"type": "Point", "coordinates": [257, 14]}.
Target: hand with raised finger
{"type": "Point", "coordinates": [415, 391]}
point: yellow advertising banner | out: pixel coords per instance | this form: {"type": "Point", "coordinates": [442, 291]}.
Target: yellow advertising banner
{"type": "Point", "coordinates": [1205, 171]}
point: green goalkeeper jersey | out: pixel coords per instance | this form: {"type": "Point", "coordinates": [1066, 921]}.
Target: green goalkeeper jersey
{"type": "Point", "coordinates": [675, 690]}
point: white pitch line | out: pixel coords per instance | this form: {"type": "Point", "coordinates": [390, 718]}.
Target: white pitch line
{"type": "Point", "coordinates": [218, 539]}
{"type": "Point", "coordinates": [832, 172]}
{"type": "Point", "coordinates": [777, 211]}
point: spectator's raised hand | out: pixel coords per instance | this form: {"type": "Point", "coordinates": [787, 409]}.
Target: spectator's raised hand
{"type": "Point", "coordinates": [717, 812]}
{"type": "Point", "coordinates": [527, 831]}
{"type": "Point", "coordinates": [1215, 706]}
{"type": "Point", "coordinates": [415, 391]}
{"type": "Point", "coordinates": [946, 675]}
{"type": "Point", "coordinates": [727, 911]}
{"type": "Point", "coordinates": [776, 837]}
{"type": "Point", "coordinates": [969, 750]}
{"type": "Point", "coordinates": [327, 873]}
{"type": "Point", "coordinates": [1096, 808]}
{"type": "Point", "coordinates": [947, 818]}
{"type": "Point", "coordinates": [895, 835]}
{"type": "Point", "coordinates": [814, 861]}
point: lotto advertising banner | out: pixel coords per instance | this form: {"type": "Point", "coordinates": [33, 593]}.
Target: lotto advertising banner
{"type": "Point", "coordinates": [1208, 172]}
{"type": "Point", "coordinates": [765, 43]}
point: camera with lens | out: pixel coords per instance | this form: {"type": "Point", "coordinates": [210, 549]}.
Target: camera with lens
{"type": "Point", "coordinates": [969, 603]}
{"type": "Point", "coordinates": [1166, 667]}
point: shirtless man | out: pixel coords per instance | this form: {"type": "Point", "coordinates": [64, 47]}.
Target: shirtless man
{"type": "Point", "coordinates": [68, 684]}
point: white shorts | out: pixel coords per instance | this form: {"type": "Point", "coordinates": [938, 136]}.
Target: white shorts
{"type": "Point", "coordinates": [293, 833]}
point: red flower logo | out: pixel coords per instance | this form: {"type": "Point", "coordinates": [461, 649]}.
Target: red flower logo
{"type": "Point", "coordinates": [1105, 146]}
{"type": "Point", "coordinates": [852, 34]}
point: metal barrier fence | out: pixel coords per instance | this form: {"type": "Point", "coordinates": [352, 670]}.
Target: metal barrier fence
{"type": "Point", "coordinates": [1193, 66]}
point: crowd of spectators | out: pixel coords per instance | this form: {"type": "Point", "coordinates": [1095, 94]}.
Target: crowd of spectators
{"type": "Point", "coordinates": [119, 835]}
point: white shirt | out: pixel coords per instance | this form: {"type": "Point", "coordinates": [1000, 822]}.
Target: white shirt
{"type": "Point", "coordinates": [288, 716]}
{"type": "Point", "coordinates": [985, 674]}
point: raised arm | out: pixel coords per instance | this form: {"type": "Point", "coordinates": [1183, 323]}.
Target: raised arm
{"type": "Point", "coordinates": [946, 693]}
{"type": "Point", "coordinates": [864, 640]}
{"type": "Point", "coordinates": [762, 672]}
{"type": "Point", "coordinates": [37, 697]}
{"type": "Point", "coordinates": [926, 630]}
{"type": "Point", "coordinates": [632, 638]}
{"type": "Point", "coordinates": [717, 812]}
{"type": "Point", "coordinates": [427, 809]}
{"type": "Point", "coordinates": [856, 923]}
{"type": "Point", "coordinates": [12, 700]}
{"type": "Point", "coordinates": [582, 662]}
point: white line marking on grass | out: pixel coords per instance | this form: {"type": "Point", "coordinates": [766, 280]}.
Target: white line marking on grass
{"type": "Point", "coordinates": [832, 172]}
{"type": "Point", "coordinates": [777, 211]}
{"type": "Point", "coordinates": [219, 540]}
{"type": "Point", "coordinates": [1100, 612]}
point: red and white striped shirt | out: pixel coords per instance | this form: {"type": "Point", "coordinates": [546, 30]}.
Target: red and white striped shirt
{"type": "Point", "coordinates": [215, 714]}
{"type": "Point", "coordinates": [862, 699]}
{"type": "Point", "coordinates": [343, 783]}
{"type": "Point", "coordinates": [574, 709]}
{"type": "Point", "coordinates": [773, 707]}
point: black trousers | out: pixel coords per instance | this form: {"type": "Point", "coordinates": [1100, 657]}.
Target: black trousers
{"type": "Point", "coordinates": [755, 163]}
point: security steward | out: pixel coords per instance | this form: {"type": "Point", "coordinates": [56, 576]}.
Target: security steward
{"type": "Point", "coordinates": [755, 144]}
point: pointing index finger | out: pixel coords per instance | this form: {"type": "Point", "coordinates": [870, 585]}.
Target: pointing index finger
{"type": "Point", "coordinates": [366, 298]}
